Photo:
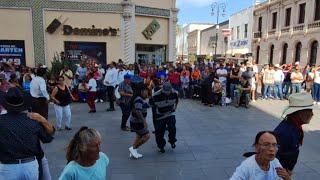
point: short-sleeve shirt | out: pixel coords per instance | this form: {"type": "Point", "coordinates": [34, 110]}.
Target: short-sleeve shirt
{"type": "Point", "coordinates": [74, 171]}
{"type": "Point", "coordinates": [93, 84]}
{"type": "Point", "coordinates": [250, 170]}
{"type": "Point", "coordinates": [141, 105]}
{"type": "Point", "coordinates": [126, 88]}
{"type": "Point", "coordinates": [222, 72]}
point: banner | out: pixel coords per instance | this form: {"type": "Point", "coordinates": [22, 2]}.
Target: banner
{"type": "Point", "coordinates": [86, 51]}
{"type": "Point", "coordinates": [12, 51]}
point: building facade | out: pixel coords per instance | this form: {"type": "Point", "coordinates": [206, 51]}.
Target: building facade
{"type": "Point", "coordinates": [241, 32]}
{"type": "Point", "coordinates": [132, 30]}
{"type": "Point", "coordinates": [182, 45]}
{"type": "Point", "coordinates": [287, 31]}
{"type": "Point", "coordinates": [208, 40]}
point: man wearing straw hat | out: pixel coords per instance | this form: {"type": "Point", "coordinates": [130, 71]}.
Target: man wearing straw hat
{"type": "Point", "coordinates": [289, 131]}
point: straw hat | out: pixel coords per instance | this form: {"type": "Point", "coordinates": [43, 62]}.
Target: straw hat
{"type": "Point", "coordinates": [297, 102]}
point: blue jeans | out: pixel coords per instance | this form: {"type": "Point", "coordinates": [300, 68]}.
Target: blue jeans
{"type": "Point", "coordinates": [286, 89]}
{"type": "Point", "coordinates": [278, 90]}
{"type": "Point", "coordinates": [296, 88]}
{"type": "Point", "coordinates": [25, 171]}
{"type": "Point", "coordinates": [232, 88]}
{"type": "Point", "coordinates": [316, 92]}
{"type": "Point", "coordinates": [268, 88]}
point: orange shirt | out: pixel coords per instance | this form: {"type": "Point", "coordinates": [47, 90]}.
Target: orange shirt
{"type": "Point", "coordinates": [196, 75]}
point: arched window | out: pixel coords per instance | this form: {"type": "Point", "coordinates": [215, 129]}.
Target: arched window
{"type": "Point", "coordinates": [271, 54]}
{"type": "Point", "coordinates": [258, 55]}
{"type": "Point", "coordinates": [314, 52]}
{"type": "Point", "coordinates": [284, 53]}
{"type": "Point", "coordinates": [298, 52]}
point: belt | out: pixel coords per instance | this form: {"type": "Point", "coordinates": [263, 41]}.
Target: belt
{"type": "Point", "coordinates": [19, 161]}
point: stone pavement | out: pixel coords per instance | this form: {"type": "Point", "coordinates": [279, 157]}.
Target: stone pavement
{"type": "Point", "coordinates": [210, 142]}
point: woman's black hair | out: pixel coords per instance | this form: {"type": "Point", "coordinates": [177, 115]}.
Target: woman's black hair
{"type": "Point", "coordinates": [259, 134]}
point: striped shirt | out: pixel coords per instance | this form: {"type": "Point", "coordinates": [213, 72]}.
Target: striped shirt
{"type": "Point", "coordinates": [164, 104]}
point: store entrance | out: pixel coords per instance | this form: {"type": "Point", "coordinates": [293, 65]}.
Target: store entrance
{"type": "Point", "coordinates": [150, 54]}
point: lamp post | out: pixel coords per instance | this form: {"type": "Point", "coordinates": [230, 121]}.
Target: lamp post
{"type": "Point", "coordinates": [217, 9]}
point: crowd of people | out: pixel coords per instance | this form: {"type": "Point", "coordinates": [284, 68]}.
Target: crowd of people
{"type": "Point", "coordinates": [130, 86]}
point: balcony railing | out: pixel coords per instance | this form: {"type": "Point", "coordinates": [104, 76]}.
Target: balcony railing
{"type": "Point", "coordinates": [298, 28]}
{"type": "Point", "coordinates": [314, 25]}
{"type": "Point", "coordinates": [257, 34]}
{"type": "Point", "coordinates": [285, 30]}
{"type": "Point", "coordinates": [272, 32]}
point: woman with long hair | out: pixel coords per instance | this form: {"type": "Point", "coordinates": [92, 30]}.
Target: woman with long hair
{"type": "Point", "coordinates": [85, 160]}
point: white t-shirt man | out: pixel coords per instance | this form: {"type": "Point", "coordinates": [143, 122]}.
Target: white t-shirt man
{"type": "Point", "coordinates": [93, 85]}
{"type": "Point", "coordinates": [250, 170]}
{"type": "Point", "coordinates": [222, 73]}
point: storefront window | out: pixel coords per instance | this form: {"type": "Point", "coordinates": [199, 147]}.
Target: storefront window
{"type": "Point", "coordinates": [92, 52]}
{"type": "Point", "coordinates": [150, 54]}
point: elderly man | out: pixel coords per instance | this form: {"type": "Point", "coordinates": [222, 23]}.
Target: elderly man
{"type": "Point", "coordinates": [110, 81]}
{"type": "Point", "coordinates": [21, 155]}
{"type": "Point", "coordinates": [263, 165]}
{"type": "Point", "coordinates": [289, 131]}
{"type": "Point", "coordinates": [165, 102]}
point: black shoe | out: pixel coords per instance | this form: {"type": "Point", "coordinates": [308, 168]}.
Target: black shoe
{"type": "Point", "coordinates": [92, 111]}
{"type": "Point", "coordinates": [67, 128]}
{"type": "Point", "coordinates": [161, 150]}
{"type": "Point", "coordinates": [173, 145]}
{"type": "Point", "coordinates": [110, 109]}
{"type": "Point", "coordinates": [125, 128]}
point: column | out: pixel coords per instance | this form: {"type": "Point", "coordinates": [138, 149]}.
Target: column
{"type": "Point", "coordinates": [172, 34]}
{"type": "Point", "coordinates": [128, 31]}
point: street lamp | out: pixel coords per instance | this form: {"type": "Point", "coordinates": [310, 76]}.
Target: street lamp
{"type": "Point", "coordinates": [217, 9]}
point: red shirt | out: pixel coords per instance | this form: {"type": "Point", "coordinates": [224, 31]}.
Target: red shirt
{"type": "Point", "coordinates": [143, 74]}
{"type": "Point", "coordinates": [174, 78]}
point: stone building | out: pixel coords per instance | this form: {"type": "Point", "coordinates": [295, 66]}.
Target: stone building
{"type": "Point", "coordinates": [287, 31]}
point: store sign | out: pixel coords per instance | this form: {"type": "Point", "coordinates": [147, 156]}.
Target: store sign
{"type": "Point", "coordinates": [94, 52]}
{"type": "Point", "coordinates": [69, 30]}
{"type": "Point", "coordinates": [239, 43]}
{"type": "Point", "coordinates": [151, 29]}
{"type": "Point", "coordinates": [12, 51]}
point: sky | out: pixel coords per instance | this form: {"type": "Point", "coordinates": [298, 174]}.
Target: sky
{"type": "Point", "coordinates": [199, 11]}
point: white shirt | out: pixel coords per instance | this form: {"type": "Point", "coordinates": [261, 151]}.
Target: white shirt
{"type": "Point", "coordinates": [121, 76]}
{"type": "Point", "coordinates": [38, 88]}
{"type": "Point", "coordinates": [93, 85]}
{"type": "Point", "coordinates": [222, 72]}
{"type": "Point", "coordinates": [111, 77]}
{"type": "Point", "coordinates": [317, 77]}
{"type": "Point", "coordinates": [278, 76]}
{"type": "Point", "coordinates": [250, 170]}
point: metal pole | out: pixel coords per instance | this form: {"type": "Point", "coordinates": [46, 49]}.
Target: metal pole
{"type": "Point", "coordinates": [182, 44]}
{"type": "Point", "coordinates": [217, 25]}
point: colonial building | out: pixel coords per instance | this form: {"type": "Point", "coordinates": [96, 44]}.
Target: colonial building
{"type": "Point", "coordinates": [287, 31]}
{"type": "Point", "coordinates": [240, 39]}
{"type": "Point", "coordinates": [98, 30]}
{"type": "Point", "coordinates": [184, 37]}
{"type": "Point", "coordinates": [212, 36]}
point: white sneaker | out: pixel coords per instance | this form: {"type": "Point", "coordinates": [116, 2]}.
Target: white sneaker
{"type": "Point", "coordinates": [96, 100]}
{"type": "Point", "coordinates": [133, 153]}
{"type": "Point", "coordinates": [254, 101]}
{"type": "Point", "coordinates": [101, 101]}
{"type": "Point", "coordinates": [318, 103]}
{"type": "Point", "coordinates": [314, 103]}
{"type": "Point", "coordinates": [139, 155]}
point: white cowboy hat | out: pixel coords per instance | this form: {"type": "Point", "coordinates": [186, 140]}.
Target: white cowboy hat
{"type": "Point", "coordinates": [297, 102]}
{"type": "Point", "coordinates": [277, 66]}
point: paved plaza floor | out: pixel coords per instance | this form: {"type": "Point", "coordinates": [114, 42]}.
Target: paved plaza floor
{"type": "Point", "coordinates": [210, 144]}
